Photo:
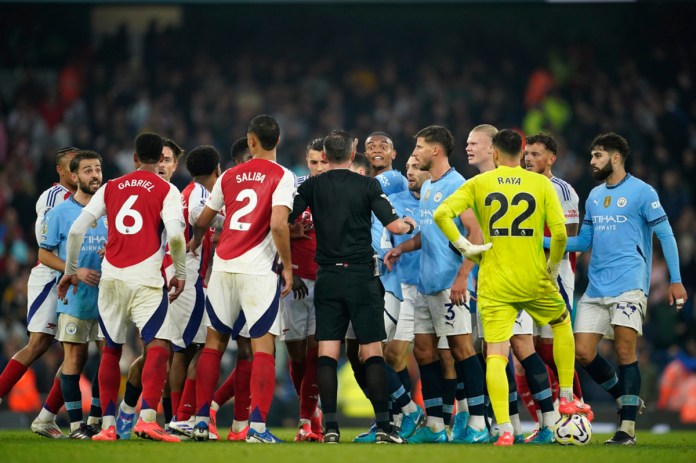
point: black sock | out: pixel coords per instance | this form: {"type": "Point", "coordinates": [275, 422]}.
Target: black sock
{"type": "Point", "coordinates": [328, 390]}
{"type": "Point", "coordinates": [431, 384]}
{"type": "Point", "coordinates": [405, 378]}
{"type": "Point", "coordinates": [469, 372]}
{"type": "Point", "coordinates": [132, 394]}
{"type": "Point", "coordinates": [397, 392]}
{"type": "Point", "coordinates": [167, 408]}
{"type": "Point", "coordinates": [512, 400]}
{"type": "Point", "coordinates": [376, 385]}
{"type": "Point", "coordinates": [538, 381]}
{"type": "Point", "coordinates": [448, 393]}
{"type": "Point", "coordinates": [70, 384]}
{"type": "Point", "coordinates": [95, 409]}
{"type": "Point", "coordinates": [603, 373]}
{"type": "Point", "coordinates": [629, 381]}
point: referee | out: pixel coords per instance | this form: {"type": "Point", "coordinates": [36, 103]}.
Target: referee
{"type": "Point", "coordinates": [347, 287]}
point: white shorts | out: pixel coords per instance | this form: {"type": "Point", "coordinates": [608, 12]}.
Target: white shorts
{"type": "Point", "coordinates": [442, 317]}
{"type": "Point", "coordinates": [255, 299]}
{"type": "Point", "coordinates": [392, 307]}
{"type": "Point", "coordinates": [146, 306]}
{"type": "Point", "coordinates": [600, 314]}
{"type": "Point", "coordinates": [567, 289]}
{"type": "Point", "coordinates": [42, 300]}
{"type": "Point", "coordinates": [523, 324]}
{"type": "Point", "coordinates": [299, 317]}
{"type": "Point", "coordinates": [76, 330]}
{"type": "Point", "coordinates": [187, 313]}
{"type": "Point", "coordinates": [412, 299]}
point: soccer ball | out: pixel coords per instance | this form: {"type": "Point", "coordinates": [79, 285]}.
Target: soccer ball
{"type": "Point", "coordinates": [573, 429]}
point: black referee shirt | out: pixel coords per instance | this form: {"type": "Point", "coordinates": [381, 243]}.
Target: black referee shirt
{"type": "Point", "coordinates": [342, 202]}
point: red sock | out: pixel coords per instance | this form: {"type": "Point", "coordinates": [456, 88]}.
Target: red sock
{"type": "Point", "coordinates": [175, 398]}
{"type": "Point", "coordinates": [242, 385]}
{"type": "Point", "coordinates": [226, 391]}
{"type": "Point", "coordinates": [526, 395]}
{"type": "Point", "coordinates": [309, 392]}
{"type": "Point", "coordinates": [577, 388]}
{"type": "Point", "coordinates": [12, 373]}
{"type": "Point", "coordinates": [54, 400]}
{"type": "Point", "coordinates": [207, 374]}
{"type": "Point", "coordinates": [262, 386]}
{"type": "Point", "coordinates": [553, 382]}
{"type": "Point", "coordinates": [297, 371]}
{"type": "Point", "coordinates": [154, 376]}
{"type": "Point", "coordinates": [188, 401]}
{"type": "Point", "coordinates": [109, 379]}
{"type": "Point", "coordinates": [545, 351]}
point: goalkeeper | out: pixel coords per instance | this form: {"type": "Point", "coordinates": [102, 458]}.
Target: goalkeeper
{"type": "Point", "coordinates": [512, 205]}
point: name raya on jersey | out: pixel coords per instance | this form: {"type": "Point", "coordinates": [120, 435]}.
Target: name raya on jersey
{"type": "Point", "coordinates": [439, 261]}
{"type": "Point", "coordinates": [248, 192]}
{"type": "Point", "coordinates": [512, 205]}
{"type": "Point", "coordinates": [406, 204]}
{"type": "Point", "coordinates": [58, 221]}
{"type": "Point", "coordinates": [621, 217]}
{"type": "Point", "coordinates": [136, 206]}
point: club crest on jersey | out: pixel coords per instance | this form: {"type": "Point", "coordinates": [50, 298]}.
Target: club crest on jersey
{"type": "Point", "coordinates": [437, 197]}
{"type": "Point", "coordinates": [621, 202]}
{"type": "Point", "coordinates": [607, 201]}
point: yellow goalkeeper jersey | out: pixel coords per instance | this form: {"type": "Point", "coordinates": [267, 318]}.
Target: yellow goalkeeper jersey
{"type": "Point", "coordinates": [511, 205]}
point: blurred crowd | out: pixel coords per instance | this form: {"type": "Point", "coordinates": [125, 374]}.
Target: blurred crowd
{"type": "Point", "coordinates": [201, 85]}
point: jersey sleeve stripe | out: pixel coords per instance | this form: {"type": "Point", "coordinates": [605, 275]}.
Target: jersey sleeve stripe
{"type": "Point", "coordinates": [564, 188]}
{"type": "Point", "coordinates": [657, 221]}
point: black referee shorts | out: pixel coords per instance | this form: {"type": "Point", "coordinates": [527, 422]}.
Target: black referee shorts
{"type": "Point", "coordinates": [349, 293]}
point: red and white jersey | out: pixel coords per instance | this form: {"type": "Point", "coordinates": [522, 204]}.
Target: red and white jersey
{"type": "Point", "coordinates": [136, 205]}
{"type": "Point", "coordinates": [50, 198]}
{"type": "Point", "coordinates": [570, 205]}
{"type": "Point", "coordinates": [248, 193]}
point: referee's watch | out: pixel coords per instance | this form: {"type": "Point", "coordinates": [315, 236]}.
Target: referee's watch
{"type": "Point", "coordinates": [411, 227]}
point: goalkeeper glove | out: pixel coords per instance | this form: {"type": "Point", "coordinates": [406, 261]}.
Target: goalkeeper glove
{"type": "Point", "coordinates": [552, 271]}
{"type": "Point", "coordinates": [469, 250]}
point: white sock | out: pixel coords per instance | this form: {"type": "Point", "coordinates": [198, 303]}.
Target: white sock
{"type": "Point", "coordinates": [548, 419]}
{"type": "Point", "coordinates": [75, 426]}
{"type": "Point", "coordinates": [505, 427]}
{"type": "Point", "coordinates": [214, 406]}
{"type": "Point", "coordinates": [462, 406]}
{"type": "Point", "coordinates": [258, 426]}
{"type": "Point", "coordinates": [566, 393]}
{"type": "Point", "coordinates": [516, 425]}
{"type": "Point", "coordinates": [148, 415]}
{"type": "Point", "coordinates": [46, 416]}
{"type": "Point", "coordinates": [477, 422]}
{"type": "Point", "coordinates": [304, 421]}
{"type": "Point", "coordinates": [125, 408]}
{"type": "Point", "coordinates": [435, 424]}
{"type": "Point", "coordinates": [238, 426]}
{"type": "Point", "coordinates": [93, 420]}
{"type": "Point", "coordinates": [629, 427]}
{"type": "Point", "coordinates": [108, 421]}
{"type": "Point", "coordinates": [410, 408]}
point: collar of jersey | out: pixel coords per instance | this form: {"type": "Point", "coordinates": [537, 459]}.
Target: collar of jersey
{"type": "Point", "coordinates": [451, 169]}
{"type": "Point", "coordinates": [611, 187]}
{"type": "Point", "coordinates": [72, 198]}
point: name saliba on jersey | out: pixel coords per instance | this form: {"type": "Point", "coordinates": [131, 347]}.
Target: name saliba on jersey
{"type": "Point", "coordinates": [250, 177]}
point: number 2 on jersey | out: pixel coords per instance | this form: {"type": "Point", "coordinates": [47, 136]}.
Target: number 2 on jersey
{"type": "Point", "coordinates": [235, 222]}
{"type": "Point", "coordinates": [515, 229]}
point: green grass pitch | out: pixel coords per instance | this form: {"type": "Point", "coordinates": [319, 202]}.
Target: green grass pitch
{"type": "Point", "coordinates": [23, 446]}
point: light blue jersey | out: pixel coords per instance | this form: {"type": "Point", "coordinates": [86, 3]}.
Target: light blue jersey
{"type": "Point", "coordinates": [618, 225]}
{"type": "Point", "coordinates": [57, 223]}
{"type": "Point", "coordinates": [439, 261]}
{"type": "Point", "coordinates": [406, 205]}
{"type": "Point", "coordinates": [382, 243]}
{"type": "Point", "coordinates": [392, 181]}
